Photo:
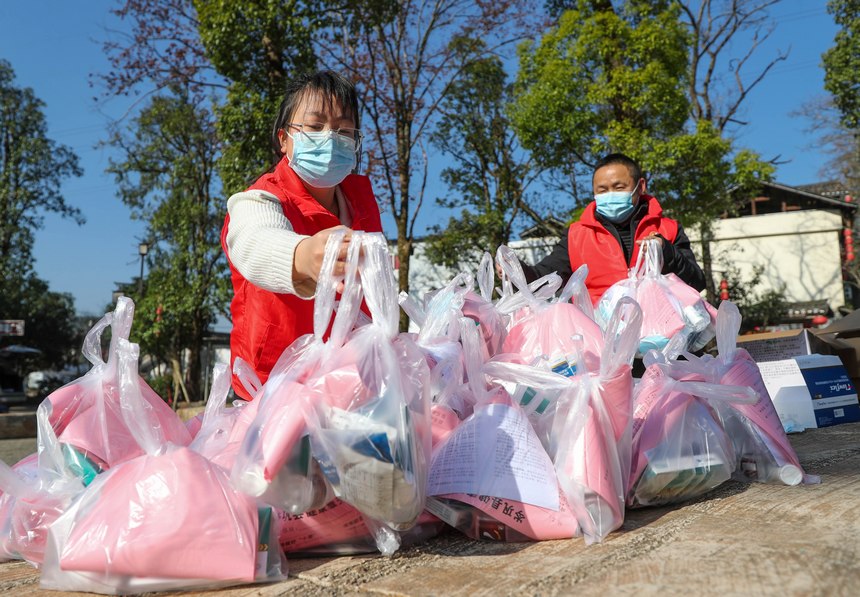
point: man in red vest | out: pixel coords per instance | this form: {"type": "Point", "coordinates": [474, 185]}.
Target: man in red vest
{"type": "Point", "coordinates": [610, 232]}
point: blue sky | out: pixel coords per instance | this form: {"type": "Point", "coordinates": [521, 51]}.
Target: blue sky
{"type": "Point", "coordinates": [53, 46]}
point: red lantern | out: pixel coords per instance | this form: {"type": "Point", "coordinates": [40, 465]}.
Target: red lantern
{"type": "Point", "coordinates": [819, 320]}
{"type": "Point", "coordinates": [849, 256]}
{"type": "Point", "coordinates": [849, 198]}
{"type": "Point", "coordinates": [846, 232]}
{"type": "Point", "coordinates": [724, 284]}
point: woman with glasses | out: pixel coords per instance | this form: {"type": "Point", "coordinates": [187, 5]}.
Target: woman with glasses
{"type": "Point", "coordinates": [275, 232]}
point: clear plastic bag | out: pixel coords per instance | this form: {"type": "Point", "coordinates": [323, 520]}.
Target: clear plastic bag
{"type": "Point", "coordinates": [674, 316]}
{"type": "Point", "coordinates": [85, 414]}
{"type": "Point", "coordinates": [35, 492]}
{"type": "Point", "coordinates": [481, 308]}
{"type": "Point", "coordinates": [275, 462]}
{"type": "Point", "coordinates": [140, 526]}
{"type": "Point", "coordinates": [545, 336]}
{"type": "Point", "coordinates": [764, 451]}
{"type": "Point", "coordinates": [370, 425]}
{"type": "Point", "coordinates": [491, 478]}
{"type": "Point", "coordinates": [680, 447]}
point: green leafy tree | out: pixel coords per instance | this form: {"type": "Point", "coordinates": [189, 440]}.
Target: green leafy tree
{"type": "Point", "coordinates": [842, 61]}
{"type": "Point", "coordinates": [49, 320]}
{"type": "Point", "coordinates": [32, 168]}
{"type": "Point", "coordinates": [166, 175]}
{"type": "Point", "coordinates": [603, 80]}
{"type": "Point", "coordinates": [257, 46]}
{"type": "Point", "coordinates": [624, 77]}
{"type": "Point", "coordinates": [404, 57]}
{"type": "Point", "coordinates": [489, 175]}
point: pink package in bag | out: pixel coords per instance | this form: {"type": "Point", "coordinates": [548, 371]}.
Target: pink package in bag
{"type": "Point", "coordinates": [35, 493]}
{"type": "Point", "coordinates": [662, 312]}
{"type": "Point", "coordinates": [336, 528]}
{"type": "Point", "coordinates": [483, 311]}
{"type": "Point", "coordinates": [548, 332]}
{"type": "Point", "coordinates": [680, 448]}
{"type": "Point", "coordinates": [491, 476]}
{"type": "Point", "coordinates": [767, 454]}
{"type": "Point", "coordinates": [590, 442]}
{"type": "Point", "coordinates": [275, 462]}
{"type": "Point", "coordinates": [85, 414]}
{"type": "Point", "coordinates": [370, 428]}
{"type": "Point", "coordinates": [140, 526]}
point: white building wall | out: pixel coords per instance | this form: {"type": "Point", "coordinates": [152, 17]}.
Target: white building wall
{"type": "Point", "coordinates": [425, 276]}
{"type": "Point", "coordinates": [799, 249]}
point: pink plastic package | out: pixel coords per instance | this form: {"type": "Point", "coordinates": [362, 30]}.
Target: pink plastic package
{"type": "Point", "coordinates": [85, 414]}
{"type": "Point", "coordinates": [477, 474]}
{"type": "Point", "coordinates": [662, 312]}
{"type": "Point", "coordinates": [590, 440]}
{"type": "Point", "coordinates": [764, 451]}
{"type": "Point", "coordinates": [370, 421]}
{"type": "Point", "coordinates": [680, 448]}
{"type": "Point", "coordinates": [547, 333]}
{"type": "Point", "coordinates": [35, 493]}
{"type": "Point", "coordinates": [274, 462]}
{"type": "Point", "coordinates": [140, 527]}
{"type": "Point", "coordinates": [483, 311]}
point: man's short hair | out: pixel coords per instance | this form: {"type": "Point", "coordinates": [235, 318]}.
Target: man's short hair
{"type": "Point", "coordinates": [619, 158]}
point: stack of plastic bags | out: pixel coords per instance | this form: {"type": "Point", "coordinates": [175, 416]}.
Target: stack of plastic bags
{"type": "Point", "coordinates": [671, 310]}
{"type": "Point", "coordinates": [510, 420]}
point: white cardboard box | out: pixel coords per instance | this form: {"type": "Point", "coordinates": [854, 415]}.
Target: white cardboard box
{"type": "Point", "coordinates": [811, 391]}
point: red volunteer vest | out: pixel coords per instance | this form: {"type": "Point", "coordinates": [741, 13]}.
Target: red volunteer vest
{"type": "Point", "coordinates": [588, 241]}
{"type": "Point", "coordinates": [264, 322]}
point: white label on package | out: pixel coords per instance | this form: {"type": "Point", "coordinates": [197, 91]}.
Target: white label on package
{"type": "Point", "coordinates": [495, 452]}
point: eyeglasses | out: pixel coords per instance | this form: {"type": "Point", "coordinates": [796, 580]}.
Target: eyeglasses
{"type": "Point", "coordinates": [345, 133]}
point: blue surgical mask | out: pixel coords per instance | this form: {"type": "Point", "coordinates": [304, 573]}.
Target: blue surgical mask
{"type": "Point", "coordinates": [615, 206]}
{"type": "Point", "coordinates": [322, 159]}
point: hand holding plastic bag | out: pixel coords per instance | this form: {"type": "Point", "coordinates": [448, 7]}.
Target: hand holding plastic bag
{"type": "Point", "coordinates": [275, 462]}
{"type": "Point", "coordinates": [370, 427]}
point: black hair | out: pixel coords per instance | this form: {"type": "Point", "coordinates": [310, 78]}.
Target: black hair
{"type": "Point", "coordinates": [331, 87]}
{"type": "Point", "coordinates": [619, 158]}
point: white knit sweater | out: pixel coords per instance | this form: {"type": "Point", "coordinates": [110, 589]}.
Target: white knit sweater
{"type": "Point", "coordinates": [261, 241]}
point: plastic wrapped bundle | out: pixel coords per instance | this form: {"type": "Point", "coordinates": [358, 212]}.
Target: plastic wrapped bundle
{"type": "Point", "coordinates": [34, 494]}
{"type": "Point", "coordinates": [680, 448]}
{"type": "Point", "coordinates": [85, 414]}
{"type": "Point", "coordinates": [140, 526]}
{"type": "Point", "coordinates": [370, 428]}
{"type": "Point", "coordinates": [490, 477]}
{"type": "Point", "coordinates": [670, 308]}
{"type": "Point", "coordinates": [545, 337]}
{"type": "Point", "coordinates": [480, 308]}
{"type": "Point", "coordinates": [274, 462]}
{"type": "Point", "coordinates": [764, 452]}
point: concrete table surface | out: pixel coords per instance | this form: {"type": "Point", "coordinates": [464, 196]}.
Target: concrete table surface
{"type": "Point", "coordinates": [738, 540]}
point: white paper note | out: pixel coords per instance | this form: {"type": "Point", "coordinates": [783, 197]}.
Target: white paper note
{"type": "Point", "coordinates": [495, 452]}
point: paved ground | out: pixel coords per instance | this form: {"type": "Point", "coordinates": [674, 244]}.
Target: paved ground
{"type": "Point", "coordinates": [739, 540]}
{"type": "Point", "coordinates": [13, 450]}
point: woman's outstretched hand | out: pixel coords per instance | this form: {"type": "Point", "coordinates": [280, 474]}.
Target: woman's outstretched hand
{"type": "Point", "coordinates": [308, 259]}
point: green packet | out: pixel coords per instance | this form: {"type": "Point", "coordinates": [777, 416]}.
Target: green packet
{"type": "Point", "coordinates": [268, 550]}
{"type": "Point", "coordinates": [82, 466]}
{"type": "Point", "coordinates": [687, 478]}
